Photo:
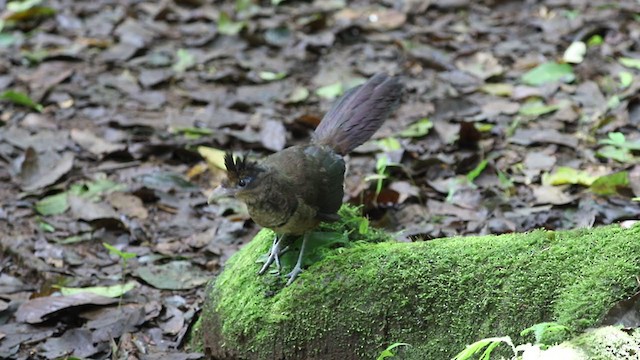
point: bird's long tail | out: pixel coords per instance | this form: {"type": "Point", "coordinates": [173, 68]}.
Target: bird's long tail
{"type": "Point", "coordinates": [358, 114]}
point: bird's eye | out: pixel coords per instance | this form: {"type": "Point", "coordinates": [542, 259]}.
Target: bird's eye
{"type": "Point", "coordinates": [242, 183]}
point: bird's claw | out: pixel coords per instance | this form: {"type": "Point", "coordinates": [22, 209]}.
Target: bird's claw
{"type": "Point", "coordinates": [274, 256]}
{"type": "Point", "coordinates": [293, 274]}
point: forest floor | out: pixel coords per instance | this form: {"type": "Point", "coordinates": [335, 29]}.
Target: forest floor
{"type": "Point", "coordinates": [114, 114]}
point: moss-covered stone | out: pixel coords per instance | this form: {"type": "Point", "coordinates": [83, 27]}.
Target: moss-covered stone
{"type": "Point", "coordinates": [606, 343]}
{"type": "Point", "coordinates": [438, 295]}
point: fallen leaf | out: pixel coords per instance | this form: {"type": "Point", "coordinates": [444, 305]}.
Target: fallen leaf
{"type": "Point", "coordinates": [566, 175]}
{"type": "Point", "coordinates": [41, 170]}
{"type": "Point", "coordinates": [37, 310]}
{"type": "Point", "coordinates": [482, 65]}
{"type": "Point", "coordinates": [213, 156]}
{"type": "Point", "coordinates": [20, 98]}
{"type": "Point", "coordinates": [87, 210]}
{"type": "Point", "coordinates": [53, 204]}
{"type": "Point", "coordinates": [547, 194]}
{"type": "Point", "coordinates": [174, 275]}
{"type": "Point", "coordinates": [94, 144]}
{"type": "Point", "coordinates": [77, 342]}
{"type": "Point", "coordinates": [128, 204]}
{"type": "Point", "coordinates": [113, 291]}
{"type": "Point", "coordinates": [610, 184]}
{"type": "Point", "coordinates": [273, 135]}
{"type": "Point", "coordinates": [549, 72]}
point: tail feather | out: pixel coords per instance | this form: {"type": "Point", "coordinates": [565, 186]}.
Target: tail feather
{"type": "Point", "coordinates": [358, 114]}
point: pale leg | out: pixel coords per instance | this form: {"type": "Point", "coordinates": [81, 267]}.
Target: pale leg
{"type": "Point", "coordinates": [298, 268]}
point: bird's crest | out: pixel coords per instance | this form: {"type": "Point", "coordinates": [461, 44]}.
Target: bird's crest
{"type": "Point", "coordinates": [239, 167]}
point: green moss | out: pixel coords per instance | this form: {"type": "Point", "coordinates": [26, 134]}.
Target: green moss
{"type": "Point", "coordinates": [438, 295]}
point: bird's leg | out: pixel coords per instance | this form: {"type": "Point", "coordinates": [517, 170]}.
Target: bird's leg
{"type": "Point", "coordinates": [298, 268]}
{"type": "Point", "coordinates": [274, 254]}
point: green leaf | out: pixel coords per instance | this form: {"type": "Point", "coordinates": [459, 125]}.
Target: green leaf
{"type": "Point", "coordinates": [185, 61]}
{"type": "Point", "coordinates": [226, 26]}
{"type": "Point", "coordinates": [19, 6]}
{"type": "Point", "coordinates": [45, 226]}
{"type": "Point", "coordinates": [609, 184]}
{"type": "Point", "coordinates": [630, 62]}
{"type": "Point", "coordinates": [299, 94]}
{"type": "Point", "coordinates": [363, 227]}
{"type": "Point", "coordinates": [53, 204]}
{"type": "Point", "coordinates": [595, 40]}
{"type": "Point", "coordinates": [547, 73]}
{"type": "Point", "coordinates": [473, 174]}
{"type": "Point", "coordinates": [498, 89]}
{"type": "Point", "coordinates": [330, 92]}
{"type": "Point", "coordinates": [566, 175]}
{"type": "Point", "coordinates": [616, 153]}
{"type": "Point", "coordinates": [615, 138]}
{"type": "Point", "coordinates": [575, 52]}
{"type": "Point", "coordinates": [6, 40]}
{"type": "Point", "coordinates": [537, 108]}
{"type": "Point", "coordinates": [192, 132]}
{"type": "Point", "coordinates": [271, 76]}
{"type": "Point", "coordinates": [542, 329]}
{"type": "Point", "coordinates": [419, 128]}
{"type": "Point", "coordinates": [613, 102]}
{"type": "Point", "coordinates": [35, 57]}
{"type": "Point", "coordinates": [213, 156]}
{"type": "Point", "coordinates": [626, 78]}
{"type": "Point", "coordinates": [242, 5]}
{"type": "Point", "coordinates": [618, 139]}
{"type": "Point", "coordinates": [484, 127]}
{"type": "Point", "coordinates": [488, 343]}
{"type": "Point", "coordinates": [20, 98]}
{"type": "Point", "coordinates": [505, 181]}
{"type": "Point", "coordinates": [388, 351]}
{"type": "Point", "coordinates": [121, 254]}
{"type": "Point", "coordinates": [94, 189]}
{"type": "Point", "coordinates": [389, 144]}
{"type": "Point", "coordinates": [112, 291]}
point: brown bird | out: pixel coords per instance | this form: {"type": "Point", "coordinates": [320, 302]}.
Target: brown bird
{"type": "Point", "coordinates": [293, 190]}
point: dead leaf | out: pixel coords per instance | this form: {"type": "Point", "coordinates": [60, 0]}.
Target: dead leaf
{"type": "Point", "coordinates": [39, 309]}
{"type": "Point", "coordinates": [41, 170]}
{"type": "Point", "coordinates": [273, 135]}
{"type": "Point", "coordinates": [545, 136]}
{"type": "Point", "coordinates": [546, 194]}
{"type": "Point", "coordinates": [482, 64]}
{"type": "Point", "coordinates": [128, 204]}
{"type": "Point", "coordinates": [77, 342]}
{"type": "Point", "coordinates": [174, 275]}
{"type": "Point", "coordinates": [87, 210]}
{"type": "Point", "coordinates": [94, 144]}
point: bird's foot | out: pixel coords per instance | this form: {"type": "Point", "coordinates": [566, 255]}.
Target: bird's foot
{"type": "Point", "coordinates": [274, 255]}
{"type": "Point", "coordinates": [298, 268]}
{"type": "Point", "coordinates": [293, 274]}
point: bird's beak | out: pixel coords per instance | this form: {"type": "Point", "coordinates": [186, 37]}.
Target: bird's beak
{"type": "Point", "coordinates": [219, 193]}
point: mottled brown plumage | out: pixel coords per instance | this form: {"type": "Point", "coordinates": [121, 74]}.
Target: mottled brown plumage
{"type": "Point", "coordinates": [295, 189]}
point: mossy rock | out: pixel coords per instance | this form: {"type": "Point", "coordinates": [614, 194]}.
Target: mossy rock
{"type": "Point", "coordinates": [437, 295]}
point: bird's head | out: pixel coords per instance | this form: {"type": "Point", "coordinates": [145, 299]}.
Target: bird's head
{"type": "Point", "coordinates": [241, 178]}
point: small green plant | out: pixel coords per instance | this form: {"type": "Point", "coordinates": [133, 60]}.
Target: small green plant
{"type": "Point", "coordinates": [617, 147]}
{"type": "Point", "coordinates": [487, 345]}
{"type": "Point", "coordinates": [386, 353]}
{"type": "Point", "coordinates": [544, 329]}
{"type": "Point", "coordinates": [124, 256]}
{"type": "Point", "coordinates": [381, 173]}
